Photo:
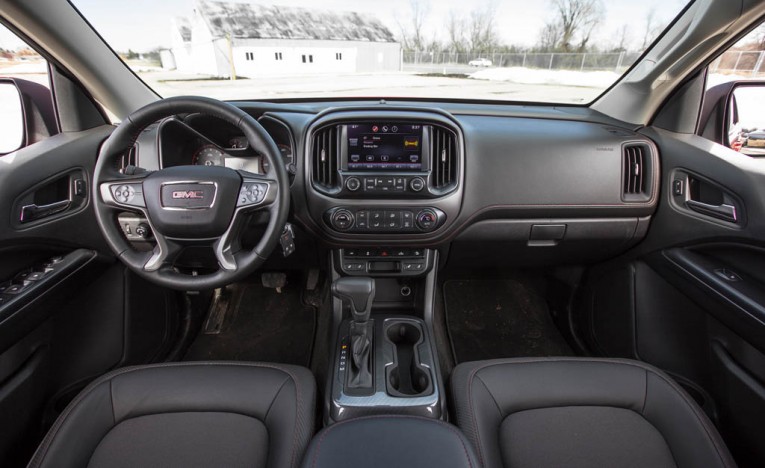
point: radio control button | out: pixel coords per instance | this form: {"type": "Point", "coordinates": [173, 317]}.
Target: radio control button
{"type": "Point", "coordinates": [417, 184]}
{"type": "Point", "coordinates": [353, 184]}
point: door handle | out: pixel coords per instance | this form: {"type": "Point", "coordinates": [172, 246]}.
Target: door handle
{"type": "Point", "coordinates": [725, 211]}
{"type": "Point", "coordinates": [34, 212]}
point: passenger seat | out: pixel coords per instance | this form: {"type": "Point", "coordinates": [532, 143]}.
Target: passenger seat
{"type": "Point", "coordinates": [577, 412]}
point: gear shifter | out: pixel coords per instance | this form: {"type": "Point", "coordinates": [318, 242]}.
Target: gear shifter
{"type": "Point", "coordinates": [360, 293]}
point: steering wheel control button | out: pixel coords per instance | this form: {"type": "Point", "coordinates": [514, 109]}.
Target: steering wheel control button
{"type": "Point", "coordinates": [252, 193]}
{"type": "Point", "coordinates": [427, 220]}
{"type": "Point", "coordinates": [123, 193]}
{"type": "Point", "coordinates": [417, 184]}
{"type": "Point", "coordinates": [128, 194]}
{"type": "Point", "coordinates": [342, 220]}
{"type": "Point", "coordinates": [143, 231]}
{"type": "Point", "coordinates": [353, 184]}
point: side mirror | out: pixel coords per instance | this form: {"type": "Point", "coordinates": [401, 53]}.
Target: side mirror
{"type": "Point", "coordinates": [745, 120]}
{"type": "Point", "coordinates": [734, 115]}
{"type": "Point", "coordinates": [11, 118]}
{"type": "Point", "coordinates": [26, 114]}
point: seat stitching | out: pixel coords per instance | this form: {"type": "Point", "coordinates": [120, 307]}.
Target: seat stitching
{"type": "Point", "coordinates": [111, 398]}
{"type": "Point", "coordinates": [645, 393]}
{"type": "Point", "coordinates": [626, 362]}
{"type": "Point", "coordinates": [45, 445]}
{"type": "Point", "coordinates": [472, 414]}
{"type": "Point", "coordinates": [276, 396]}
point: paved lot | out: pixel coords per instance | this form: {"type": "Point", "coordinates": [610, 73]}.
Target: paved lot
{"type": "Point", "coordinates": [361, 85]}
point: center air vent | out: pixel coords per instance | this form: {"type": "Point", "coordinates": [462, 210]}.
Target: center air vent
{"type": "Point", "coordinates": [444, 162]}
{"type": "Point", "coordinates": [324, 150]}
{"type": "Point", "coordinates": [637, 172]}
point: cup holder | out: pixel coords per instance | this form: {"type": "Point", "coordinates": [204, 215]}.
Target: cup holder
{"type": "Point", "coordinates": [406, 377]}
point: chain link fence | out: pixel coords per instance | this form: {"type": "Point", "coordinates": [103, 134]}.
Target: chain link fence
{"type": "Point", "coordinates": [744, 62]}
{"type": "Point", "coordinates": [619, 61]}
{"type": "Point", "coordinates": [739, 62]}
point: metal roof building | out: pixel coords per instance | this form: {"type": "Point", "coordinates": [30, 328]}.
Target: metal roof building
{"type": "Point", "coordinates": [248, 39]}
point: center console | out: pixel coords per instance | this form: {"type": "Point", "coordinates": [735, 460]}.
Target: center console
{"type": "Point", "coordinates": [385, 364]}
{"type": "Point", "coordinates": [381, 186]}
{"type": "Point", "coordinates": [384, 174]}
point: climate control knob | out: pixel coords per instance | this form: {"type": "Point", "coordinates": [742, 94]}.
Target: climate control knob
{"type": "Point", "coordinates": [417, 184]}
{"type": "Point", "coordinates": [353, 184]}
{"type": "Point", "coordinates": [427, 219]}
{"type": "Point", "coordinates": [342, 220]}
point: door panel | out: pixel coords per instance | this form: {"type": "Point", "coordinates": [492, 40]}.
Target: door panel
{"type": "Point", "coordinates": [691, 297]}
{"type": "Point", "coordinates": [69, 311]}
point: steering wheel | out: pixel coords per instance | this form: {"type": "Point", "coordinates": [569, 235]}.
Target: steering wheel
{"type": "Point", "coordinates": [190, 205]}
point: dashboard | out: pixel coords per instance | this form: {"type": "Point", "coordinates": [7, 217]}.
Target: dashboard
{"type": "Point", "coordinates": [487, 184]}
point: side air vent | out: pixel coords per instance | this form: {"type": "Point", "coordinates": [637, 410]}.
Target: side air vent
{"type": "Point", "coordinates": [638, 168]}
{"type": "Point", "coordinates": [445, 157]}
{"type": "Point", "coordinates": [325, 150]}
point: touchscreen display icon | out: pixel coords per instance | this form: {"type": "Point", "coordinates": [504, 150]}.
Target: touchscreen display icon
{"type": "Point", "coordinates": [412, 142]}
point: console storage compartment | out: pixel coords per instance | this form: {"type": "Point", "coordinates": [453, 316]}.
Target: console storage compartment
{"type": "Point", "coordinates": [400, 441]}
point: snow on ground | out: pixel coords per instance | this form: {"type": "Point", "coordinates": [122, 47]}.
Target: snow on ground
{"type": "Point", "coordinates": [589, 79]}
{"type": "Point", "coordinates": [714, 79]}
{"type": "Point", "coordinates": [24, 68]}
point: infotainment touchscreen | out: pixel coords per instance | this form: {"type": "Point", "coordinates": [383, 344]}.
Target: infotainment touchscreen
{"type": "Point", "coordinates": [384, 147]}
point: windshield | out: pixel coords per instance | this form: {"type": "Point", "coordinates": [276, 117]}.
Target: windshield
{"type": "Point", "coordinates": [555, 51]}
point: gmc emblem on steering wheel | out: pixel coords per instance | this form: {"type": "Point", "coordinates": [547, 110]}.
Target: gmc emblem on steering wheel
{"type": "Point", "coordinates": [189, 194]}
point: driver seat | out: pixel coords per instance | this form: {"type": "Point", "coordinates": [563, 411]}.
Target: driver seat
{"type": "Point", "coordinates": [188, 414]}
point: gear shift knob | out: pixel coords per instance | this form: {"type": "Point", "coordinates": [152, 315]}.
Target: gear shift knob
{"type": "Point", "coordinates": [359, 292]}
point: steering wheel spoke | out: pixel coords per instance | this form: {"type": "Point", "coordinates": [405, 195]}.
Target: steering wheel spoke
{"type": "Point", "coordinates": [164, 253]}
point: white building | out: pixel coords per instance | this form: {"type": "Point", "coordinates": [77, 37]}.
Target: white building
{"type": "Point", "coordinates": [275, 40]}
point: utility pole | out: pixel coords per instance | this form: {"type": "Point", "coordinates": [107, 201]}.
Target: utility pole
{"type": "Point", "coordinates": [231, 57]}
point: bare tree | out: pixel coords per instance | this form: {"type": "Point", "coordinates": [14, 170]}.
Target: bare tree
{"type": "Point", "coordinates": [576, 20]}
{"type": "Point", "coordinates": [481, 31]}
{"type": "Point", "coordinates": [550, 36]}
{"type": "Point", "coordinates": [649, 33]}
{"type": "Point", "coordinates": [412, 34]}
{"type": "Point", "coordinates": [455, 28]}
{"type": "Point", "coordinates": [622, 38]}
{"type": "Point", "coordinates": [411, 27]}
{"type": "Point", "coordinates": [420, 12]}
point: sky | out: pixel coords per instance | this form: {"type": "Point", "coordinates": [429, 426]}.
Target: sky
{"type": "Point", "coordinates": [142, 25]}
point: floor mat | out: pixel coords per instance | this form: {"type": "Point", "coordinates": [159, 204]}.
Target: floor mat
{"type": "Point", "coordinates": [490, 319]}
{"type": "Point", "coordinates": [260, 324]}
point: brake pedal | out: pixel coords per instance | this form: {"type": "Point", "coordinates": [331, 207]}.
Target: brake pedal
{"type": "Point", "coordinates": [274, 281]}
